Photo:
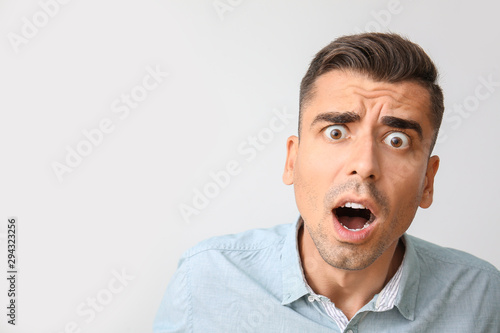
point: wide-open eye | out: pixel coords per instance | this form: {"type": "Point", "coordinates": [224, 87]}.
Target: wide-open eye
{"type": "Point", "coordinates": [336, 132]}
{"type": "Point", "coordinates": [397, 140]}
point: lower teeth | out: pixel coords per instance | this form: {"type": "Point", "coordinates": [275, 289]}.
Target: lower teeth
{"type": "Point", "coordinates": [364, 227]}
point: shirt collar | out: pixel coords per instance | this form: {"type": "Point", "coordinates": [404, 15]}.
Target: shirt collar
{"type": "Point", "coordinates": [406, 299]}
{"type": "Point", "coordinates": [386, 300]}
{"type": "Point", "coordinates": [294, 285]}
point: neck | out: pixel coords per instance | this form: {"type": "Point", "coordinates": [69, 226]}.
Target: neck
{"type": "Point", "coordinates": [349, 290]}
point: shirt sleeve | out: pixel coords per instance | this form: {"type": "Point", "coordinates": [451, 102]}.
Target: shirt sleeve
{"type": "Point", "coordinates": [490, 306]}
{"type": "Point", "coordinates": [175, 311]}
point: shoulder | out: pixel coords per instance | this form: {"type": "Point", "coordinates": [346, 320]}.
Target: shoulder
{"type": "Point", "coordinates": [250, 240]}
{"type": "Point", "coordinates": [453, 288]}
{"type": "Point", "coordinates": [222, 266]}
{"type": "Point", "coordinates": [448, 257]}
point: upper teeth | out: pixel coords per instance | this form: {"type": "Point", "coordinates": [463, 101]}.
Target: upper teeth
{"type": "Point", "coordinates": [354, 205]}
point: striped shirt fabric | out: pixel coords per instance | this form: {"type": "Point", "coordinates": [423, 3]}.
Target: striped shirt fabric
{"type": "Point", "coordinates": [385, 300]}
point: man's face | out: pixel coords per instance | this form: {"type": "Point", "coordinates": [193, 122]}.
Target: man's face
{"type": "Point", "coordinates": [362, 166]}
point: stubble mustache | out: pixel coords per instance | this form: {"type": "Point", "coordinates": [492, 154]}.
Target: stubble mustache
{"type": "Point", "coordinates": [363, 189]}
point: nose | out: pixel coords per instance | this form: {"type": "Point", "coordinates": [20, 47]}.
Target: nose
{"type": "Point", "coordinates": [363, 159]}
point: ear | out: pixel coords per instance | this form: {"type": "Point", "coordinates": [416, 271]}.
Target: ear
{"type": "Point", "coordinates": [428, 193]}
{"type": "Point", "coordinates": [292, 145]}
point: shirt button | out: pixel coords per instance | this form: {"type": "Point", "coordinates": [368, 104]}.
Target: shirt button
{"type": "Point", "coordinates": [310, 298]}
{"type": "Point", "coordinates": [350, 331]}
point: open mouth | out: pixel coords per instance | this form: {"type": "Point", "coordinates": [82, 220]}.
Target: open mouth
{"type": "Point", "coordinates": [354, 216]}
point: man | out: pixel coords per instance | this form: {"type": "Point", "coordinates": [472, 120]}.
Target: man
{"type": "Point", "coordinates": [370, 111]}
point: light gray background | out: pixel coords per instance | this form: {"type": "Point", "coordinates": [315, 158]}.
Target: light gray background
{"type": "Point", "coordinates": [119, 209]}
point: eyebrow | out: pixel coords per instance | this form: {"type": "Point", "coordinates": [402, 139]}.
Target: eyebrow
{"type": "Point", "coordinates": [351, 117]}
{"type": "Point", "coordinates": [402, 124]}
{"type": "Point", "coordinates": [336, 118]}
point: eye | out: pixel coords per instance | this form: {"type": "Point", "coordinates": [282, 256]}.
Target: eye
{"type": "Point", "coordinates": [336, 132]}
{"type": "Point", "coordinates": [397, 140]}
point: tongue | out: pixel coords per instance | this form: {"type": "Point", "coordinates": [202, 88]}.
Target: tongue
{"type": "Point", "coordinates": [354, 222]}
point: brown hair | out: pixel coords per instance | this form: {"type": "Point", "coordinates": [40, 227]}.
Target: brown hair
{"type": "Point", "coordinates": [386, 57]}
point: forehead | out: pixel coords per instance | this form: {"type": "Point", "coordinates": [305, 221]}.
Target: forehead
{"type": "Point", "coordinates": [350, 91]}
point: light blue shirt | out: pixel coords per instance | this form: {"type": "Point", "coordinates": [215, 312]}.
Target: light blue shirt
{"type": "Point", "coordinates": [253, 282]}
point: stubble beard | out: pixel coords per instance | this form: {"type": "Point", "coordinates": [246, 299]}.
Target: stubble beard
{"type": "Point", "coordinates": [345, 256]}
{"type": "Point", "coordinates": [348, 256]}
{"type": "Point", "coordinates": [353, 257]}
